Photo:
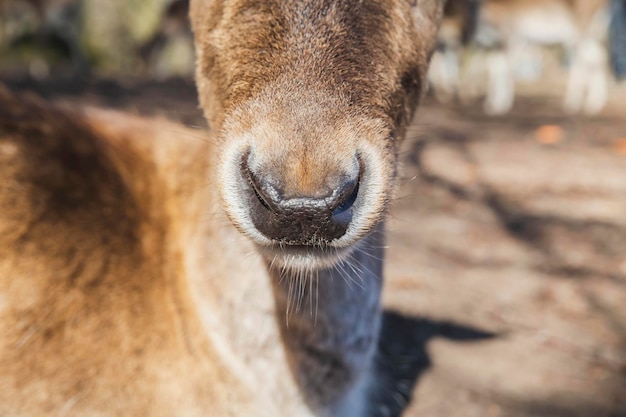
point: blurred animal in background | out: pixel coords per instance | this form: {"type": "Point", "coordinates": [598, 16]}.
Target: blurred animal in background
{"type": "Point", "coordinates": [617, 38]}
{"type": "Point", "coordinates": [506, 40]}
{"type": "Point", "coordinates": [509, 28]}
{"type": "Point", "coordinates": [456, 31]}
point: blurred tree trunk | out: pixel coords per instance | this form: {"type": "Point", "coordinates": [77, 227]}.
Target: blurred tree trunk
{"type": "Point", "coordinates": [112, 31]}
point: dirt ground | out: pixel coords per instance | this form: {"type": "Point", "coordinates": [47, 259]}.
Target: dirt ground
{"type": "Point", "coordinates": [506, 276]}
{"type": "Point", "coordinates": [509, 243]}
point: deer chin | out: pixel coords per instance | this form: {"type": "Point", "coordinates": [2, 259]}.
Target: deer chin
{"type": "Point", "coordinates": [305, 258]}
{"type": "Point", "coordinates": [365, 213]}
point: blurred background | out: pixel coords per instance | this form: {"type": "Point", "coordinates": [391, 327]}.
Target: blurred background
{"type": "Point", "coordinates": [506, 272]}
{"type": "Point", "coordinates": [45, 38]}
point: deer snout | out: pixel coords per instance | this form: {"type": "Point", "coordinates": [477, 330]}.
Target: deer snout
{"type": "Point", "coordinates": [291, 216]}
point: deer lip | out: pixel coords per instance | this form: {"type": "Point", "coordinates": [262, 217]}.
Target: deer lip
{"type": "Point", "coordinates": [319, 249]}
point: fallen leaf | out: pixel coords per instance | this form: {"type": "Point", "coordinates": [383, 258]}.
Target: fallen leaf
{"type": "Point", "coordinates": [549, 134]}
{"type": "Point", "coordinates": [619, 146]}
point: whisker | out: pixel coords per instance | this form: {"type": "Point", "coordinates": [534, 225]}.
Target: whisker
{"type": "Point", "coordinates": [317, 294]}
{"type": "Point", "coordinates": [310, 295]}
{"type": "Point", "coordinates": [344, 275]}
{"type": "Point", "coordinates": [301, 289]}
{"type": "Point", "coordinates": [357, 270]}
{"type": "Point", "coordinates": [370, 255]}
{"type": "Point", "coordinates": [347, 276]}
{"type": "Point", "coordinates": [289, 300]}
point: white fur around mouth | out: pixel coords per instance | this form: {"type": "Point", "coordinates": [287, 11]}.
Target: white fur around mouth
{"type": "Point", "coordinates": [304, 258]}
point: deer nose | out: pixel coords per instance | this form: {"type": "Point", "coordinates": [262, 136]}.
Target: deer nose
{"type": "Point", "coordinates": [295, 219]}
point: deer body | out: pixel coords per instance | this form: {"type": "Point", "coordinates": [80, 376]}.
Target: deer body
{"type": "Point", "coordinates": [101, 312]}
{"type": "Point", "coordinates": [148, 270]}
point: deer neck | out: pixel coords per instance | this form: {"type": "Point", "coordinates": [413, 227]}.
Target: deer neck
{"type": "Point", "coordinates": [329, 321]}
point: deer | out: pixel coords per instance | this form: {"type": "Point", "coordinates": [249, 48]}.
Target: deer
{"type": "Point", "coordinates": [457, 29]}
{"type": "Point", "coordinates": [152, 269]}
{"type": "Point", "coordinates": [508, 28]}
{"type": "Point", "coordinates": [508, 33]}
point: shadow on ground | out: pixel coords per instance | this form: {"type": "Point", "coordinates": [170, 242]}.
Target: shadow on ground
{"type": "Point", "coordinates": [402, 357]}
{"type": "Point", "coordinates": [505, 231]}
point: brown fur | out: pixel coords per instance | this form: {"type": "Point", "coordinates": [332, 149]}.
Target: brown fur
{"type": "Point", "coordinates": [361, 48]}
{"type": "Point", "coordinates": [91, 306]}
{"type": "Point", "coordinates": [125, 290]}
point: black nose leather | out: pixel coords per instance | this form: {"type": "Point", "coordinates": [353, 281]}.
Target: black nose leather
{"type": "Point", "coordinates": [301, 219]}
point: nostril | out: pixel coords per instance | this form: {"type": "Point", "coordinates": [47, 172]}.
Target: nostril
{"type": "Point", "coordinates": [258, 191]}
{"type": "Point", "coordinates": [266, 194]}
{"type": "Point", "coordinates": [258, 195]}
{"type": "Point", "coordinates": [346, 197]}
